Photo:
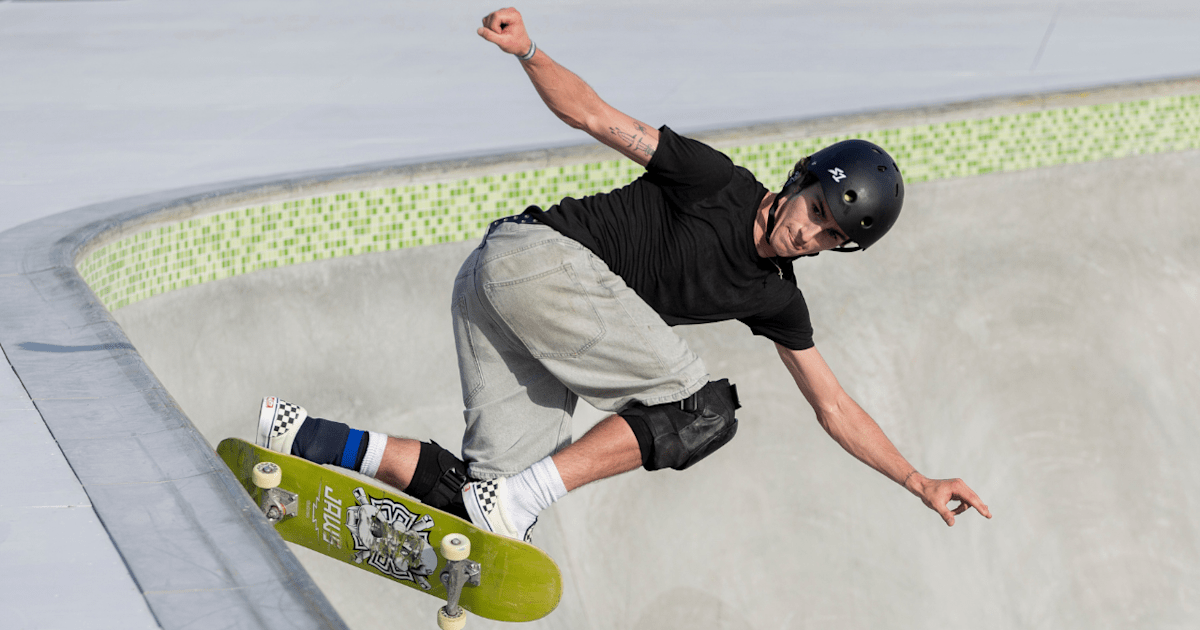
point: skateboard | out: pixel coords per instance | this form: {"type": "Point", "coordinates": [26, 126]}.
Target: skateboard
{"type": "Point", "coordinates": [397, 537]}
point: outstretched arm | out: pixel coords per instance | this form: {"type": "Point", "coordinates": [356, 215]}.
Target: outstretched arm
{"type": "Point", "coordinates": [568, 96]}
{"type": "Point", "coordinates": [856, 432]}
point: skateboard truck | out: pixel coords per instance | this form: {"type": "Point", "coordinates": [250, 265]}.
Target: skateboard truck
{"type": "Point", "coordinates": [276, 503]}
{"type": "Point", "coordinates": [459, 572]}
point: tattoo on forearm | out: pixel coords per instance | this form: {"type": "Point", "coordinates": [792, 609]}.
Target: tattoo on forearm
{"type": "Point", "coordinates": [633, 141]}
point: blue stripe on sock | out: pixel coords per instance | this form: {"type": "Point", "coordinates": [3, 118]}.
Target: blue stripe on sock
{"type": "Point", "coordinates": [350, 453]}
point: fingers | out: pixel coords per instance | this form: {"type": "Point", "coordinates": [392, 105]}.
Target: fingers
{"type": "Point", "coordinates": [969, 498]}
{"type": "Point", "coordinates": [504, 22]}
{"type": "Point", "coordinates": [505, 29]}
{"type": "Point", "coordinates": [488, 34]}
{"type": "Point", "coordinates": [496, 20]}
{"type": "Point", "coordinates": [945, 491]}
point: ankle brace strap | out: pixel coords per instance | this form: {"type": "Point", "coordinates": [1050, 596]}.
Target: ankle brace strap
{"type": "Point", "coordinates": [439, 477]}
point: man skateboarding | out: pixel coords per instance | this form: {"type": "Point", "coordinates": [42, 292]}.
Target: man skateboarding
{"type": "Point", "coordinates": [578, 300]}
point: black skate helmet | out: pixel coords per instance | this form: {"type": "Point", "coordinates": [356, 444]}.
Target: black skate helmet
{"type": "Point", "coordinates": [862, 186]}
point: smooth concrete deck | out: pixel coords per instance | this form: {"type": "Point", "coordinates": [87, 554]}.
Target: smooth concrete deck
{"type": "Point", "coordinates": [109, 100]}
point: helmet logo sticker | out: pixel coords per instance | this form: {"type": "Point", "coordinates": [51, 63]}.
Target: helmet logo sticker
{"type": "Point", "coordinates": [838, 174]}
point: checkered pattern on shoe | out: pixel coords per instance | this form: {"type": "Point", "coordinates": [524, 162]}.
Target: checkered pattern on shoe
{"type": "Point", "coordinates": [278, 424]}
{"type": "Point", "coordinates": [485, 494]}
{"type": "Point", "coordinates": [286, 415]}
{"type": "Point", "coordinates": [482, 500]}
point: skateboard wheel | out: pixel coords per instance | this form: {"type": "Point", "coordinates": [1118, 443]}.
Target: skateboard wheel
{"type": "Point", "coordinates": [266, 475]}
{"type": "Point", "coordinates": [446, 622]}
{"type": "Point", "coordinates": [456, 547]}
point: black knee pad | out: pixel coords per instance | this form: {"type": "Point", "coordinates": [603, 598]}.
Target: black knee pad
{"type": "Point", "coordinates": [438, 480]}
{"type": "Point", "coordinates": [677, 435]}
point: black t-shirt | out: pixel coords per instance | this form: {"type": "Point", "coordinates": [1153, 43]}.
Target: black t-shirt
{"type": "Point", "coordinates": [682, 237]}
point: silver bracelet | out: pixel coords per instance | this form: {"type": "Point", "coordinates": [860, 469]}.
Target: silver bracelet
{"type": "Point", "coordinates": [529, 55]}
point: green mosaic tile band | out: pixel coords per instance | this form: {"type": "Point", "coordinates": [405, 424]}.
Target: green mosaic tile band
{"type": "Point", "coordinates": [248, 239]}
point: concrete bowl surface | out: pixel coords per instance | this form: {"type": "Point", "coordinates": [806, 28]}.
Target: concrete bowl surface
{"type": "Point", "coordinates": [1030, 332]}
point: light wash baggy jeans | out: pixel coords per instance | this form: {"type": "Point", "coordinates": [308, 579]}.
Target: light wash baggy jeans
{"type": "Point", "coordinates": [540, 321]}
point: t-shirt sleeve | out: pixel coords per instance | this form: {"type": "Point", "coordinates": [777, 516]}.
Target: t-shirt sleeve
{"type": "Point", "coordinates": [687, 170]}
{"type": "Point", "coordinates": [790, 327]}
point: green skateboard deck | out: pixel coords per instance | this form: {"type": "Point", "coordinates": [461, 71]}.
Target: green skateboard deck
{"type": "Point", "coordinates": [398, 537]}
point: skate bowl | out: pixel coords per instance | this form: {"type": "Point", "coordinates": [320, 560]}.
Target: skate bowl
{"type": "Point", "coordinates": [1028, 326]}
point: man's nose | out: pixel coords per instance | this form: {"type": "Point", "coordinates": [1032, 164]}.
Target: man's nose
{"type": "Point", "coordinates": [809, 231]}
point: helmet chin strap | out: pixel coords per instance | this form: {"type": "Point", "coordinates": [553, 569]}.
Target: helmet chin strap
{"type": "Point", "coordinates": [771, 217]}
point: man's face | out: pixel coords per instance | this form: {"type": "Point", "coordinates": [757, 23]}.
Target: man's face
{"type": "Point", "coordinates": [803, 225]}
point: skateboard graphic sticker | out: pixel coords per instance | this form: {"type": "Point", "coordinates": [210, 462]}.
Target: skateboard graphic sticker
{"type": "Point", "coordinates": [391, 538]}
{"type": "Point", "coordinates": [382, 534]}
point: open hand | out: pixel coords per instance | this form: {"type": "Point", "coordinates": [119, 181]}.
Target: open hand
{"type": "Point", "coordinates": [505, 29]}
{"type": "Point", "coordinates": [938, 493]}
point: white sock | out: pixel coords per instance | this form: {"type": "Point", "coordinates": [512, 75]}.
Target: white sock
{"type": "Point", "coordinates": [376, 442]}
{"type": "Point", "coordinates": [533, 490]}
